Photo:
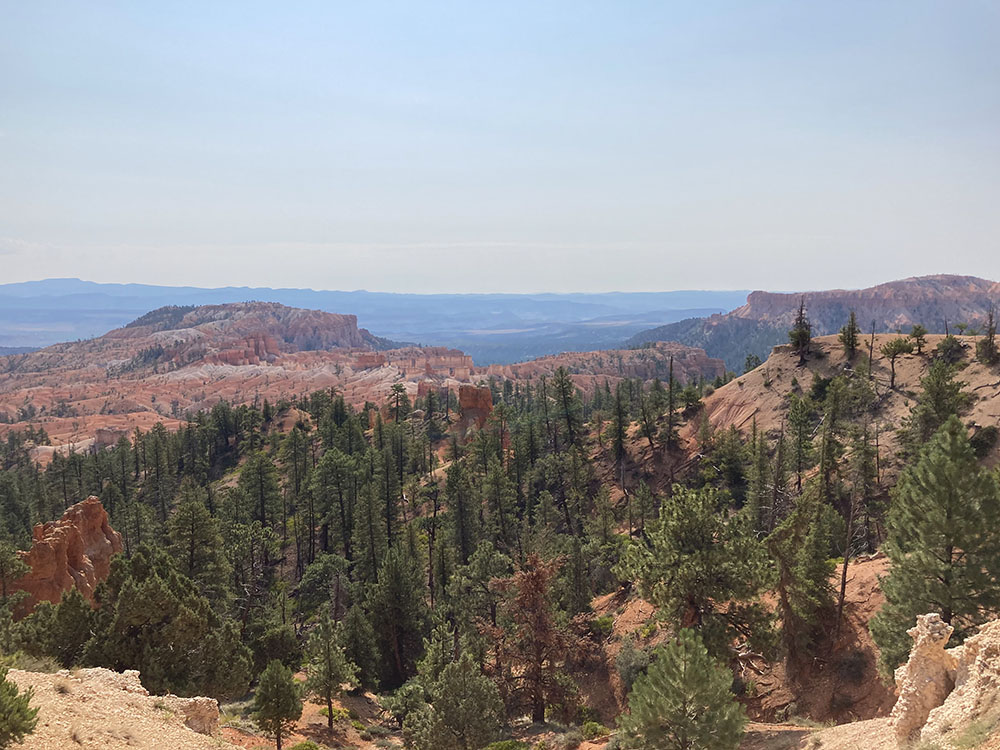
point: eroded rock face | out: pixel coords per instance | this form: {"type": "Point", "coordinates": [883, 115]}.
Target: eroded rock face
{"type": "Point", "coordinates": [76, 551]}
{"type": "Point", "coordinates": [977, 687]}
{"type": "Point", "coordinates": [475, 406]}
{"type": "Point", "coordinates": [926, 679]}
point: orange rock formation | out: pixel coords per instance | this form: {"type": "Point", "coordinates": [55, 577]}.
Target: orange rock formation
{"type": "Point", "coordinates": [75, 550]}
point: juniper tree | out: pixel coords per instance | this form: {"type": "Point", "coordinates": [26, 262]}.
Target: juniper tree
{"type": "Point", "coordinates": [943, 548]}
{"type": "Point", "coordinates": [892, 350]}
{"type": "Point", "coordinates": [327, 668]}
{"type": "Point", "coordinates": [12, 567]}
{"type": "Point", "coordinates": [59, 630]}
{"type": "Point", "coordinates": [277, 702]}
{"type": "Point", "coordinates": [683, 701]}
{"type": "Point", "coordinates": [919, 336]}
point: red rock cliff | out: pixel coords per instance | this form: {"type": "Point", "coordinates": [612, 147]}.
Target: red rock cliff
{"type": "Point", "coordinates": [75, 550]}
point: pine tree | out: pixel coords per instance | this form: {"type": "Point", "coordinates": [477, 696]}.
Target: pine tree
{"type": "Point", "coordinates": [17, 717]}
{"type": "Point", "coordinates": [944, 552]}
{"type": "Point", "coordinates": [333, 486]}
{"type": "Point", "coordinates": [986, 347]}
{"type": "Point", "coordinates": [465, 710]}
{"type": "Point", "coordinates": [849, 336]}
{"type": "Point", "coordinates": [800, 336]}
{"type": "Point", "coordinates": [398, 614]}
{"type": "Point", "coordinates": [800, 419]}
{"type": "Point", "coordinates": [328, 668]}
{"type": "Point", "coordinates": [12, 567]}
{"type": "Point", "coordinates": [500, 498]}
{"type": "Point", "coordinates": [197, 547]}
{"type": "Point", "coordinates": [259, 480]}
{"type": "Point", "coordinates": [277, 703]}
{"type": "Point", "coordinates": [941, 396]}
{"type": "Point", "coordinates": [683, 701]}
{"type": "Point", "coordinates": [800, 547]}
{"type": "Point", "coordinates": [461, 511]}
{"type": "Point", "coordinates": [704, 569]}
{"type": "Point", "coordinates": [532, 646]}
{"type": "Point", "coordinates": [361, 646]}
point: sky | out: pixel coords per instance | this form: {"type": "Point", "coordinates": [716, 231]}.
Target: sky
{"type": "Point", "coordinates": [499, 146]}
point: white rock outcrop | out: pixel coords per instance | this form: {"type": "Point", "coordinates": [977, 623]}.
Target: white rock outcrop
{"type": "Point", "coordinates": [943, 691]}
{"type": "Point", "coordinates": [925, 680]}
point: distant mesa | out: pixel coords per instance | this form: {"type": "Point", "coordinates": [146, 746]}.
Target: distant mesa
{"type": "Point", "coordinates": [754, 328]}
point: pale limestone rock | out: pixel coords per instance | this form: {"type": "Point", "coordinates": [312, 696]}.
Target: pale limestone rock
{"type": "Point", "coordinates": [926, 679]}
{"type": "Point", "coordinates": [977, 688]}
{"type": "Point", "coordinates": [200, 714]}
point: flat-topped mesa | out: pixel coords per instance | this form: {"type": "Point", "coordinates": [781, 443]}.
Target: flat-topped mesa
{"type": "Point", "coordinates": [75, 550]}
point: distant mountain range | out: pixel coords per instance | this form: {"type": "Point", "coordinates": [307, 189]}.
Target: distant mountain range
{"type": "Point", "coordinates": [492, 328]}
{"type": "Point", "coordinates": [936, 302]}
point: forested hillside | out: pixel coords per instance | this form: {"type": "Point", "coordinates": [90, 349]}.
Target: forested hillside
{"type": "Point", "coordinates": [478, 577]}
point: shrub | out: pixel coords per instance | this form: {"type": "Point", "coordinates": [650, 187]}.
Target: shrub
{"type": "Point", "coordinates": [571, 740]}
{"type": "Point", "coordinates": [594, 729]}
{"type": "Point", "coordinates": [631, 662]}
{"type": "Point", "coordinates": [507, 745]}
{"type": "Point", "coordinates": [601, 626]}
{"type": "Point", "coordinates": [306, 745]}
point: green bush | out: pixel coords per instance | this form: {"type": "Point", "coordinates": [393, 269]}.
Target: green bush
{"type": "Point", "coordinates": [594, 729]}
{"type": "Point", "coordinates": [507, 745]}
{"type": "Point", "coordinates": [339, 714]}
{"type": "Point", "coordinates": [631, 662]}
{"type": "Point", "coordinates": [601, 626]}
{"type": "Point", "coordinates": [306, 745]}
{"type": "Point", "coordinates": [571, 740]}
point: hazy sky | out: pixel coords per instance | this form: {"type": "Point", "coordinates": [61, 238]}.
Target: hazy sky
{"type": "Point", "coordinates": [499, 146]}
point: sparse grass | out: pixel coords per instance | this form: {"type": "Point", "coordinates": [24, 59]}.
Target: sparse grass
{"type": "Point", "coordinates": [62, 687]}
{"type": "Point", "coordinates": [804, 721]}
{"type": "Point", "coordinates": [975, 734]}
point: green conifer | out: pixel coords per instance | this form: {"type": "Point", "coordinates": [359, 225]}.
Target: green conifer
{"type": "Point", "coordinates": [277, 703]}
{"type": "Point", "coordinates": [17, 717]}
{"type": "Point", "coordinates": [683, 701]}
{"type": "Point", "coordinates": [943, 544]}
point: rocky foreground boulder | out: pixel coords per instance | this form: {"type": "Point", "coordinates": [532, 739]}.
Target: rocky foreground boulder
{"type": "Point", "coordinates": [76, 551]}
{"type": "Point", "coordinates": [100, 708]}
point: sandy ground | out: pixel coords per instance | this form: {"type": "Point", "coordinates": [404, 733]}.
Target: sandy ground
{"type": "Point", "coordinates": [84, 711]}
